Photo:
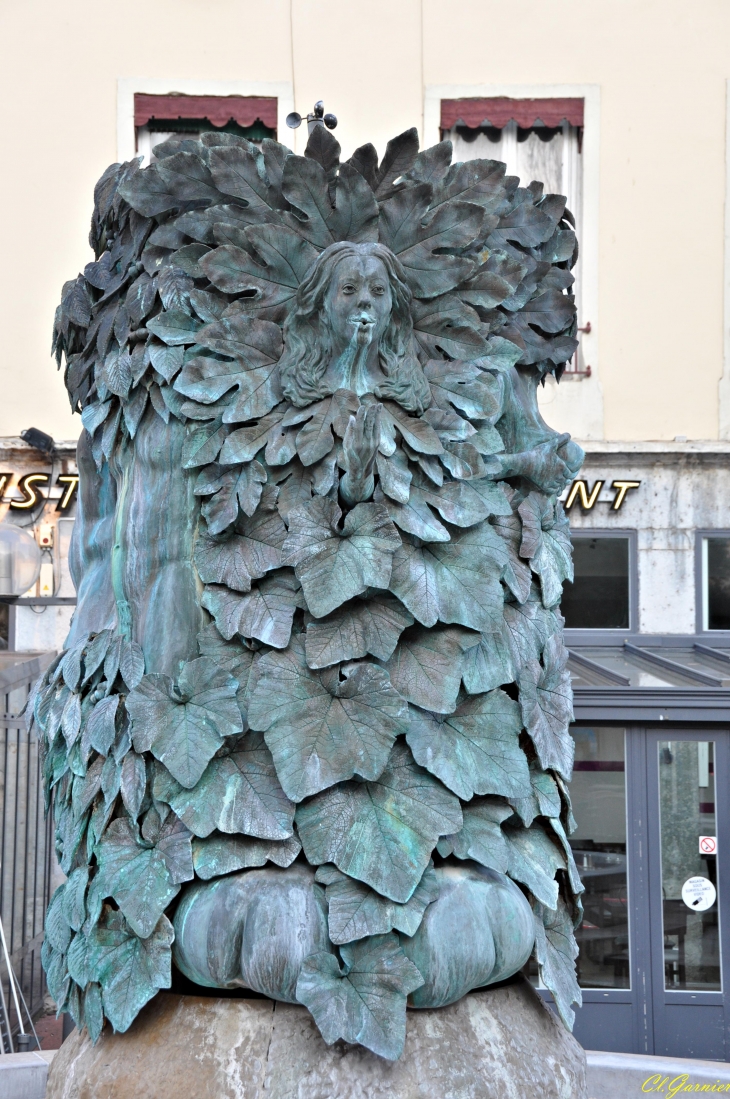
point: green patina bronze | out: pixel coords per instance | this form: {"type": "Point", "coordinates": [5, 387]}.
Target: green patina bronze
{"type": "Point", "coordinates": [310, 732]}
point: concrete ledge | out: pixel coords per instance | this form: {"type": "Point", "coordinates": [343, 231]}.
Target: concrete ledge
{"type": "Point", "coordinates": [24, 1075]}
{"type": "Point", "coordinates": [630, 1076]}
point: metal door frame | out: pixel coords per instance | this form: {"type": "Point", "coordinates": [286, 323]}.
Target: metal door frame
{"type": "Point", "coordinates": [660, 998]}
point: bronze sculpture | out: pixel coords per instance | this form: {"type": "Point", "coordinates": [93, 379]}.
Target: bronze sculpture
{"type": "Point", "coordinates": [310, 733]}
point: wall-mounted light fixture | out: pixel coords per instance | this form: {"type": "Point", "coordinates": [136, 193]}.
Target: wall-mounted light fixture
{"type": "Point", "coordinates": [20, 561]}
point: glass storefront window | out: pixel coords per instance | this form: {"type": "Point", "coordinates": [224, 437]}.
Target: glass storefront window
{"type": "Point", "coordinates": [716, 583]}
{"type": "Point", "coordinates": [598, 598]}
{"type": "Point", "coordinates": [689, 872]}
{"type": "Point", "coordinates": [598, 793]}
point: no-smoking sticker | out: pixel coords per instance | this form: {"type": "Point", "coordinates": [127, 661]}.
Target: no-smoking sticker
{"type": "Point", "coordinates": [708, 845]}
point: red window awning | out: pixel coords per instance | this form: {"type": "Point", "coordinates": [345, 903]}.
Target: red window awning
{"type": "Point", "coordinates": [500, 110]}
{"type": "Point", "coordinates": [217, 109]}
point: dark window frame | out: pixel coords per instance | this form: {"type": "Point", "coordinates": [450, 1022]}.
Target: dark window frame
{"type": "Point", "coordinates": [594, 635]}
{"type": "Point", "coordinates": [700, 536]}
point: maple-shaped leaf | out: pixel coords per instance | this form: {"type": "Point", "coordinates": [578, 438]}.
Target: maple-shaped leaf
{"type": "Point", "coordinates": [544, 797]}
{"type": "Point", "coordinates": [143, 877]}
{"type": "Point", "coordinates": [356, 911]}
{"type": "Point", "coordinates": [321, 729]}
{"type": "Point", "coordinates": [381, 832]}
{"type": "Point", "coordinates": [462, 385]}
{"type": "Point", "coordinates": [184, 724]}
{"type": "Point", "coordinates": [335, 564]}
{"type": "Point", "coordinates": [488, 664]}
{"type": "Point", "coordinates": [130, 970]}
{"type": "Point", "coordinates": [465, 503]}
{"type": "Point", "coordinates": [415, 431]}
{"type": "Point", "coordinates": [474, 750]}
{"type": "Point", "coordinates": [314, 439]}
{"type": "Point", "coordinates": [229, 489]}
{"type": "Point", "coordinates": [448, 326]}
{"type": "Point", "coordinates": [363, 1001]}
{"type": "Point", "coordinates": [455, 581]}
{"type": "Point", "coordinates": [269, 269]}
{"type": "Point", "coordinates": [546, 542]}
{"type": "Point", "coordinates": [266, 612]}
{"type": "Point", "coordinates": [364, 626]}
{"type": "Point", "coordinates": [546, 698]}
{"type": "Point", "coordinates": [252, 551]}
{"type": "Point", "coordinates": [426, 666]}
{"type": "Point", "coordinates": [245, 443]}
{"type": "Point", "coordinates": [422, 242]}
{"type": "Point", "coordinates": [556, 951]}
{"type": "Point", "coordinates": [534, 859]}
{"type": "Point", "coordinates": [239, 792]}
{"type": "Point", "coordinates": [481, 837]}
{"type": "Point", "coordinates": [220, 854]}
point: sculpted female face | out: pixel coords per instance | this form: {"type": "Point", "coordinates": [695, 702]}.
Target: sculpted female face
{"type": "Point", "coordinates": [358, 303]}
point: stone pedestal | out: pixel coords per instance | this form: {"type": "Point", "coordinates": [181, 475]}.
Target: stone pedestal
{"type": "Point", "coordinates": [498, 1044]}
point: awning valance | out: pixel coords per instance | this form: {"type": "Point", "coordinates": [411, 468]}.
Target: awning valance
{"type": "Point", "coordinates": [217, 109]}
{"type": "Point", "coordinates": [500, 110]}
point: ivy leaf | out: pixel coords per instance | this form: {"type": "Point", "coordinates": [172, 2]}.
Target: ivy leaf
{"type": "Point", "coordinates": [556, 951]}
{"type": "Point", "coordinates": [546, 542]}
{"type": "Point", "coordinates": [426, 667]}
{"type": "Point", "coordinates": [475, 750]}
{"type": "Point", "coordinates": [184, 725]}
{"type": "Point", "coordinates": [266, 612]}
{"type": "Point", "coordinates": [481, 837]}
{"type": "Point", "coordinates": [371, 625]}
{"type": "Point", "coordinates": [365, 1000]}
{"type": "Point", "coordinates": [304, 185]}
{"type": "Point", "coordinates": [141, 878]}
{"type": "Point", "coordinates": [219, 854]}
{"type": "Point", "coordinates": [455, 581]}
{"type": "Point", "coordinates": [248, 555]}
{"type": "Point", "coordinates": [381, 832]}
{"type": "Point", "coordinates": [546, 698]}
{"type": "Point", "coordinates": [129, 969]}
{"type": "Point", "coordinates": [332, 565]}
{"type": "Point", "coordinates": [322, 730]}
{"type": "Point", "coordinates": [355, 911]}
{"type": "Point", "coordinates": [355, 216]}
{"type": "Point", "coordinates": [238, 792]}
{"type": "Point", "coordinates": [270, 269]}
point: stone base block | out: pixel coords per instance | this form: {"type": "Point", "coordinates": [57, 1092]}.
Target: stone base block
{"type": "Point", "coordinates": [502, 1043]}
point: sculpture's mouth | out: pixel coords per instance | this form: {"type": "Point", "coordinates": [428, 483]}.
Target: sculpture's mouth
{"type": "Point", "coordinates": [362, 320]}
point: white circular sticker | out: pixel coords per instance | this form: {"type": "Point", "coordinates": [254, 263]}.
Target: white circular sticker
{"type": "Point", "coordinates": [699, 894]}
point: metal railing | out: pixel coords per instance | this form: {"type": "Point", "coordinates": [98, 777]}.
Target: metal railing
{"type": "Point", "coordinates": [26, 837]}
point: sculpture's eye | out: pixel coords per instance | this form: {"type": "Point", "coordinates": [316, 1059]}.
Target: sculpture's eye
{"type": "Point", "coordinates": [378, 289]}
{"type": "Point", "coordinates": [348, 288]}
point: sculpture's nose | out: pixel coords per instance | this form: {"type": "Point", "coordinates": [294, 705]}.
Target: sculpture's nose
{"type": "Point", "coordinates": [365, 298]}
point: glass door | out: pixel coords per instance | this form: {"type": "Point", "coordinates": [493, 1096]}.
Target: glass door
{"type": "Point", "coordinates": [688, 857]}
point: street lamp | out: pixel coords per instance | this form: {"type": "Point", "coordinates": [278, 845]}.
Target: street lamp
{"type": "Point", "coordinates": [20, 561]}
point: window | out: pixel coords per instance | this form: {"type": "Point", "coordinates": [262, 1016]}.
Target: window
{"type": "Point", "coordinates": [598, 793]}
{"type": "Point", "coordinates": [715, 582]}
{"type": "Point", "coordinates": [600, 596]}
{"type": "Point", "coordinates": [158, 117]}
{"type": "Point", "coordinates": [538, 139]}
